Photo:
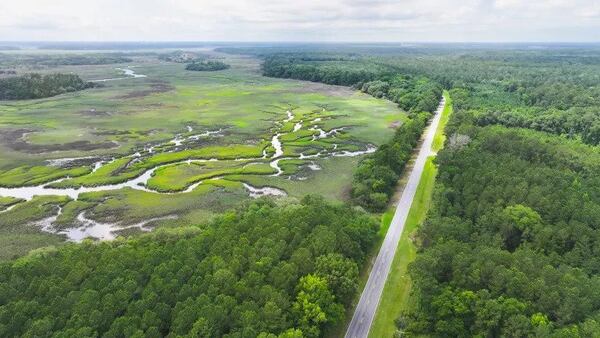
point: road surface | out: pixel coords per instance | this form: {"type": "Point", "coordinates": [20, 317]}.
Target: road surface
{"type": "Point", "coordinates": [367, 305]}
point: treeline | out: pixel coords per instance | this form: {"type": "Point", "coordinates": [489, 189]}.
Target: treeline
{"type": "Point", "coordinates": [412, 93]}
{"type": "Point", "coordinates": [207, 66]}
{"type": "Point", "coordinates": [331, 73]}
{"type": "Point", "coordinates": [35, 86]}
{"type": "Point", "coordinates": [19, 60]}
{"type": "Point", "coordinates": [553, 79]}
{"type": "Point", "coordinates": [377, 175]}
{"type": "Point", "coordinates": [265, 270]}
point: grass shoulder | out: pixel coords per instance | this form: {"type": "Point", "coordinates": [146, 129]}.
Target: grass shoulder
{"type": "Point", "coordinates": [440, 137]}
{"type": "Point", "coordinates": [396, 293]}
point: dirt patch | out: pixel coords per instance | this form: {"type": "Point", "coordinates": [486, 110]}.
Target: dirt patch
{"type": "Point", "coordinates": [155, 88]}
{"type": "Point", "coordinates": [13, 139]}
{"type": "Point", "coordinates": [346, 193]}
{"type": "Point", "coordinates": [73, 162]}
{"type": "Point", "coordinates": [112, 132]}
{"type": "Point", "coordinates": [395, 124]}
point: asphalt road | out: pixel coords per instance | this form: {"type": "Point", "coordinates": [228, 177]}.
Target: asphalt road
{"type": "Point", "coordinates": [367, 306]}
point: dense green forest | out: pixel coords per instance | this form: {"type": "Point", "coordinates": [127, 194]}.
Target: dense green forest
{"type": "Point", "coordinates": [511, 245]}
{"type": "Point", "coordinates": [35, 86]}
{"type": "Point", "coordinates": [209, 65]}
{"type": "Point", "coordinates": [265, 270]}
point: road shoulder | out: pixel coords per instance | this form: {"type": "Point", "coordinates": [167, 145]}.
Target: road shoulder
{"type": "Point", "coordinates": [396, 296]}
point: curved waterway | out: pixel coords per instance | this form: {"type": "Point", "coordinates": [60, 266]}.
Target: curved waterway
{"type": "Point", "coordinates": [128, 72]}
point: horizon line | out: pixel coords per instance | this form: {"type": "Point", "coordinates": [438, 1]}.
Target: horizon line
{"type": "Point", "coordinates": [303, 41]}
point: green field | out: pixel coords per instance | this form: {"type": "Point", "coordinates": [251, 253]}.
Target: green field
{"type": "Point", "coordinates": [188, 141]}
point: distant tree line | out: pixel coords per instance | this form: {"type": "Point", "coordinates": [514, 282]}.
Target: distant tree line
{"type": "Point", "coordinates": [338, 73]}
{"type": "Point", "coordinates": [20, 60]}
{"type": "Point", "coordinates": [35, 86]}
{"type": "Point", "coordinates": [209, 65]}
{"type": "Point", "coordinates": [412, 93]}
{"type": "Point", "coordinates": [265, 271]}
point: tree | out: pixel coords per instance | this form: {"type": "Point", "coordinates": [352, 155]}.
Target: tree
{"type": "Point", "coordinates": [521, 223]}
{"type": "Point", "coordinates": [340, 273]}
{"type": "Point", "coordinates": [315, 305]}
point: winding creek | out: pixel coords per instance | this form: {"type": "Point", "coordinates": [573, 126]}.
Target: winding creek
{"type": "Point", "coordinates": [106, 231]}
{"type": "Point", "coordinates": [128, 72]}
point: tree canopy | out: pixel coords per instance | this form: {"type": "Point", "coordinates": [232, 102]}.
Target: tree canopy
{"type": "Point", "coordinates": [203, 66]}
{"type": "Point", "coordinates": [263, 270]}
{"type": "Point", "coordinates": [36, 86]}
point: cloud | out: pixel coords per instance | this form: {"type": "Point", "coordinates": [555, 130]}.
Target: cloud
{"type": "Point", "coordinates": [308, 20]}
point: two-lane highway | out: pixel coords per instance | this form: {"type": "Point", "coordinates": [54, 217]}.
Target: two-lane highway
{"type": "Point", "coordinates": [367, 306]}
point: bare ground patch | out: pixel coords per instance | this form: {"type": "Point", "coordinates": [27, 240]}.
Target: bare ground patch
{"type": "Point", "coordinates": [92, 112]}
{"type": "Point", "coordinates": [395, 124]}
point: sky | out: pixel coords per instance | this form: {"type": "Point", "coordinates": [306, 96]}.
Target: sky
{"type": "Point", "coordinates": [301, 20]}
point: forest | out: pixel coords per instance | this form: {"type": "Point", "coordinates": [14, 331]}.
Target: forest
{"type": "Point", "coordinates": [36, 86]}
{"type": "Point", "coordinates": [265, 270]}
{"type": "Point", "coordinates": [510, 247]}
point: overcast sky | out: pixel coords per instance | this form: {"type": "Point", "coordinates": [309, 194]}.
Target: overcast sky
{"type": "Point", "coordinates": [300, 20]}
